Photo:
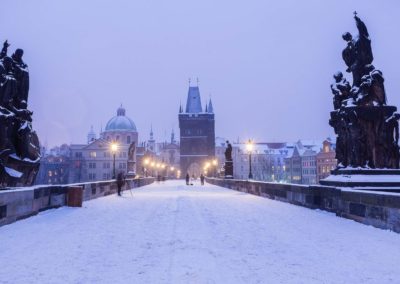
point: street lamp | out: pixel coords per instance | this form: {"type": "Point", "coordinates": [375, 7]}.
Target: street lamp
{"type": "Point", "coordinates": [146, 163]}
{"type": "Point", "coordinates": [114, 148]}
{"type": "Point", "coordinates": [215, 164]}
{"type": "Point", "coordinates": [249, 146]}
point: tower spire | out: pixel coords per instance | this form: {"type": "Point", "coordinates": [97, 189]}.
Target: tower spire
{"type": "Point", "coordinates": [193, 103]}
{"type": "Point", "coordinates": [172, 136]}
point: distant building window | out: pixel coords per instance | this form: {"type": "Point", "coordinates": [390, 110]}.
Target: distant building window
{"type": "Point", "coordinates": [117, 138]}
{"type": "Point", "coordinates": [78, 155]}
{"type": "Point", "coordinates": [128, 139]}
{"type": "Point", "coordinates": [92, 154]}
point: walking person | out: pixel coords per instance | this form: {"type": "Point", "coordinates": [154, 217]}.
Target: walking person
{"type": "Point", "coordinates": [202, 179]}
{"type": "Point", "coordinates": [120, 182]}
{"type": "Point", "coordinates": [187, 179]}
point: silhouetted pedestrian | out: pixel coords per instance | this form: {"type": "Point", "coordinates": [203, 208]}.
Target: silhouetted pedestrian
{"type": "Point", "coordinates": [120, 182]}
{"type": "Point", "coordinates": [187, 179]}
{"type": "Point", "coordinates": [202, 179]}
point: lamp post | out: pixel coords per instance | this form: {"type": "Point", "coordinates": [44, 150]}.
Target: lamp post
{"type": "Point", "coordinates": [114, 148]}
{"type": "Point", "coordinates": [249, 147]}
{"type": "Point", "coordinates": [215, 164]}
{"type": "Point", "coordinates": [145, 163]}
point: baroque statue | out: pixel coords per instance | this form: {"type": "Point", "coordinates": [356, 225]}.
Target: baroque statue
{"type": "Point", "coordinates": [366, 127]}
{"type": "Point", "coordinates": [19, 144]}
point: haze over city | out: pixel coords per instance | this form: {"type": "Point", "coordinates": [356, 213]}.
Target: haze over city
{"type": "Point", "coordinates": [267, 65]}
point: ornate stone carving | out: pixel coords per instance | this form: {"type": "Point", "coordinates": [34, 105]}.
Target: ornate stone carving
{"type": "Point", "coordinates": [367, 129]}
{"type": "Point", "coordinates": [19, 144]}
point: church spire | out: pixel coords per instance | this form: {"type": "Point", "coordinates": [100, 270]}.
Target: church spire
{"type": "Point", "coordinates": [151, 132]}
{"type": "Point", "coordinates": [173, 136]}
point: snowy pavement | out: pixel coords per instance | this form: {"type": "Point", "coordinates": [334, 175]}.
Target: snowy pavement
{"type": "Point", "coordinates": [171, 233]}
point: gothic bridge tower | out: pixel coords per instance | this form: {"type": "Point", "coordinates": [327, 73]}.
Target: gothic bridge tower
{"type": "Point", "coordinates": [197, 134]}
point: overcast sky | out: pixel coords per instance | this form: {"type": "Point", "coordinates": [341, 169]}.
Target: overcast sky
{"type": "Point", "coordinates": [267, 65]}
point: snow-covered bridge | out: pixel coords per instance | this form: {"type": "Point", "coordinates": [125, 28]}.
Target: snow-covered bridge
{"type": "Point", "coordinates": [171, 233]}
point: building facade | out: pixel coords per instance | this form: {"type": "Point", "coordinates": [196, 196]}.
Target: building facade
{"type": "Point", "coordinates": [95, 160]}
{"type": "Point", "coordinates": [309, 167]}
{"type": "Point", "coordinates": [54, 166]}
{"type": "Point", "coordinates": [267, 160]}
{"type": "Point", "coordinates": [197, 134]}
{"type": "Point", "coordinates": [326, 160]}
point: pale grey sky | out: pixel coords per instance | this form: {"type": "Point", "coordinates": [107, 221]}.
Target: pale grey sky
{"type": "Point", "coordinates": [268, 65]}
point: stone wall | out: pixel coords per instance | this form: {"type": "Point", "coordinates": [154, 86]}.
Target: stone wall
{"type": "Point", "coordinates": [20, 203]}
{"type": "Point", "coordinates": [379, 209]}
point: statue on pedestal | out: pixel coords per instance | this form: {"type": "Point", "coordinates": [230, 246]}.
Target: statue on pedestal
{"type": "Point", "coordinates": [366, 127]}
{"type": "Point", "coordinates": [131, 160]}
{"type": "Point", "coordinates": [228, 161]}
{"type": "Point", "coordinates": [19, 144]}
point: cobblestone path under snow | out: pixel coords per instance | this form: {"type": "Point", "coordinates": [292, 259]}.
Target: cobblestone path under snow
{"type": "Point", "coordinates": [171, 233]}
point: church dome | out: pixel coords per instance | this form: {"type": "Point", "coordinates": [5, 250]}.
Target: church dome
{"type": "Point", "coordinates": [120, 122]}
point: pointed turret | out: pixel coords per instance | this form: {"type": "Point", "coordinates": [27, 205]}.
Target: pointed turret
{"type": "Point", "coordinates": [91, 135]}
{"type": "Point", "coordinates": [210, 107]}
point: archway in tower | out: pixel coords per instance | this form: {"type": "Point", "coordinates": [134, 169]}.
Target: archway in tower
{"type": "Point", "coordinates": [194, 170]}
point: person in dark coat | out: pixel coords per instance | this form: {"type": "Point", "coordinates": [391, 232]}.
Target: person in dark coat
{"type": "Point", "coordinates": [202, 179]}
{"type": "Point", "coordinates": [120, 182]}
{"type": "Point", "coordinates": [187, 179]}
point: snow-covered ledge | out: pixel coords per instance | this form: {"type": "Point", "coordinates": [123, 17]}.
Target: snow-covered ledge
{"type": "Point", "coordinates": [20, 203]}
{"type": "Point", "coordinates": [378, 209]}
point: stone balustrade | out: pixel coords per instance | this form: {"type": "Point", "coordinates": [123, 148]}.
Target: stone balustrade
{"type": "Point", "coordinates": [378, 209]}
{"type": "Point", "coordinates": [20, 203]}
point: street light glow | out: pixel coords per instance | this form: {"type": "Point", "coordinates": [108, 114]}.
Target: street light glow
{"type": "Point", "coordinates": [215, 162]}
{"type": "Point", "coordinates": [249, 146]}
{"type": "Point", "coordinates": [114, 147]}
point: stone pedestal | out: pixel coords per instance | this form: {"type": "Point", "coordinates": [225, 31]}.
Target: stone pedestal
{"type": "Point", "coordinates": [366, 137]}
{"type": "Point", "coordinates": [228, 169]}
{"type": "Point", "coordinates": [131, 169]}
{"type": "Point", "coordinates": [365, 179]}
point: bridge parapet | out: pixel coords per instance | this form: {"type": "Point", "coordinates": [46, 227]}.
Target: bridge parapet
{"type": "Point", "coordinates": [21, 203]}
{"type": "Point", "coordinates": [378, 209]}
